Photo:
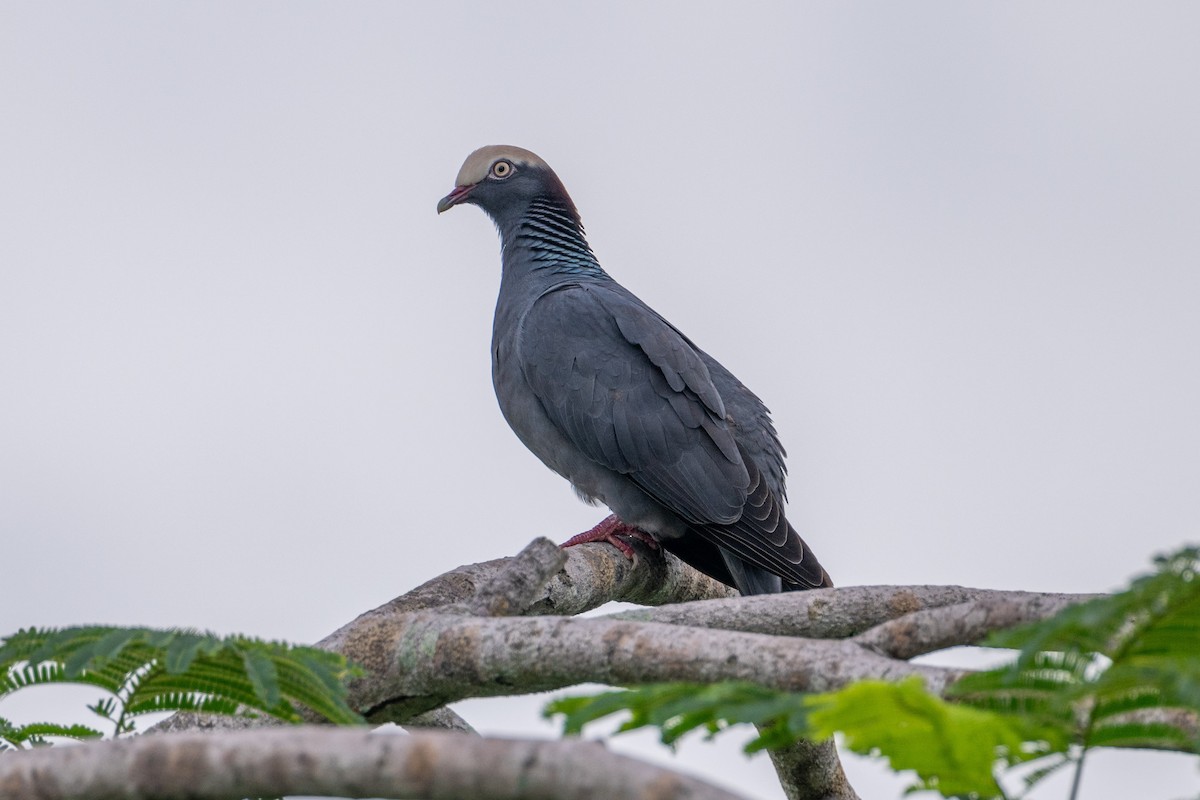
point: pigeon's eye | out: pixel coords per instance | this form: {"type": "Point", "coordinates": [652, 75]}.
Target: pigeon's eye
{"type": "Point", "coordinates": [502, 169]}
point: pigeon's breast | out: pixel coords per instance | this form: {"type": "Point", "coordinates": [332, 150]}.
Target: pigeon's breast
{"type": "Point", "coordinates": [524, 413]}
{"type": "Point", "coordinates": [594, 482]}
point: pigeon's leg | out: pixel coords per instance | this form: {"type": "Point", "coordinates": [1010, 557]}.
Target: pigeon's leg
{"type": "Point", "coordinates": [611, 529]}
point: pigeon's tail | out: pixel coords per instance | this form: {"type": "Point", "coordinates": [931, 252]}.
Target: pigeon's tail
{"type": "Point", "coordinates": [826, 583]}
{"type": "Point", "coordinates": [813, 574]}
{"type": "Point", "coordinates": [751, 578]}
{"type": "Point", "coordinates": [796, 571]}
{"type": "Point", "coordinates": [761, 550]}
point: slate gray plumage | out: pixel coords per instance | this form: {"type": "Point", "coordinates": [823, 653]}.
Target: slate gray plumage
{"type": "Point", "coordinates": [612, 397]}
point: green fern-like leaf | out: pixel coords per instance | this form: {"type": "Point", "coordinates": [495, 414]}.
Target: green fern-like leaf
{"type": "Point", "coordinates": [954, 749]}
{"type": "Point", "coordinates": [182, 650]}
{"type": "Point", "coordinates": [678, 709]}
{"type": "Point", "coordinates": [16, 737]}
{"type": "Point", "coordinates": [1119, 671]}
{"type": "Point", "coordinates": [318, 682]}
{"type": "Point", "coordinates": [1146, 735]}
{"type": "Point", "coordinates": [1046, 767]}
{"type": "Point", "coordinates": [145, 670]}
{"type": "Point", "coordinates": [198, 702]}
{"type": "Point", "coordinates": [1158, 615]}
{"type": "Point", "coordinates": [264, 677]}
{"type": "Point", "coordinates": [580, 710]}
{"type": "Point", "coordinates": [1093, 664]}
{"type": "Point", "coordinates": [42, 730]}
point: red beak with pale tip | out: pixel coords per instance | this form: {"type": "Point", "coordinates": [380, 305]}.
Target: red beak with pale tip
{"type": "Point", "coordinates": [454, 198]}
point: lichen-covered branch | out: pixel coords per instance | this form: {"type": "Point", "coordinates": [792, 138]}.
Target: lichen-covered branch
{"type": "Point", "coordinates": [518, 583]}
{"type": "Point", "coordinates": [341, 762]}
{"type": "Point", "coordinates": [594, 574]}
{"type": "Point", "coordinates": [811, 770]}
{"type": "Point", "coordinates": [850, 611]}
{"type": "Point", "coordinates": [440, 658]}
{"type": "Point", "coordinates": [964, 623]}
{"type": "Point", "coordinates": [507, 627]}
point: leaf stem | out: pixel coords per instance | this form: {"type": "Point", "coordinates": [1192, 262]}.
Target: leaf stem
{"type": "Point", "coordinates": [1075, 781]}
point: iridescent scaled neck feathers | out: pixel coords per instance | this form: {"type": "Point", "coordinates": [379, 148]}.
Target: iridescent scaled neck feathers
{"type": "Point", "coordinates": [552, 237]}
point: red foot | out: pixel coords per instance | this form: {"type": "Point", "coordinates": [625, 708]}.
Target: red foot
{"type": "Point", "coordinates": [611, 529]}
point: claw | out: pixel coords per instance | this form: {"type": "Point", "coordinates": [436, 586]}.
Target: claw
{"type": "Point", "coordinates": [611, 529]}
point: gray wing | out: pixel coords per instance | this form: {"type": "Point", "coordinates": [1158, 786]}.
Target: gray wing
{"type": "Point", "coordinates": [632, 393]}
{"type": "Point", "coordinates": [754, 429]}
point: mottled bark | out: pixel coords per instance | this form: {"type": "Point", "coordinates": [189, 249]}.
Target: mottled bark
{"type": "Point", "coordinates": [507, 627]}
{"type": "Point", "coordinates": [431, 765]}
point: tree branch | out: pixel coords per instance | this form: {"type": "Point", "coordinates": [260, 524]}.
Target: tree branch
{"type": "Point", "coordinates": [439, 718]}
{"type": "Point", "coordinates": [596, 574]}
{"type": "Point", "coordinates": [343, 762]}
{"type": "Point", "coordinates": [519, 582]}
{"type": "Point", "coordinates": [811, 770]}
{"type": "Point", "coordinates": [962, 623]}
{"type": "Point", "coordinates": [593, 575]}
{"type": "Point", "coordinates": [464, 657]}
{"type": "Point", "coordinates": [462, 635]}
{"type": "Point", "coordinates": [839, 613]}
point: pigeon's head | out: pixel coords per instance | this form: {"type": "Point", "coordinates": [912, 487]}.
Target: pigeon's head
{"type": "Point", "coordinates": [503, 180]}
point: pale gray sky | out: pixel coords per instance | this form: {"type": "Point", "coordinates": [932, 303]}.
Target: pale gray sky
{"type": "Point", "coordinates": [953, 246]}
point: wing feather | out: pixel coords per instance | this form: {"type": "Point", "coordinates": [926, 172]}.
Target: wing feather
{"type": "Point", "coordinates": [635, 395]}
{"type": "Point", "coordinates": [638, 399]}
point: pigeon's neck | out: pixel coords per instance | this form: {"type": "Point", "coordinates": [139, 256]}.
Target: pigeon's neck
{"type": "Point", "coordinates": [549, 238]}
